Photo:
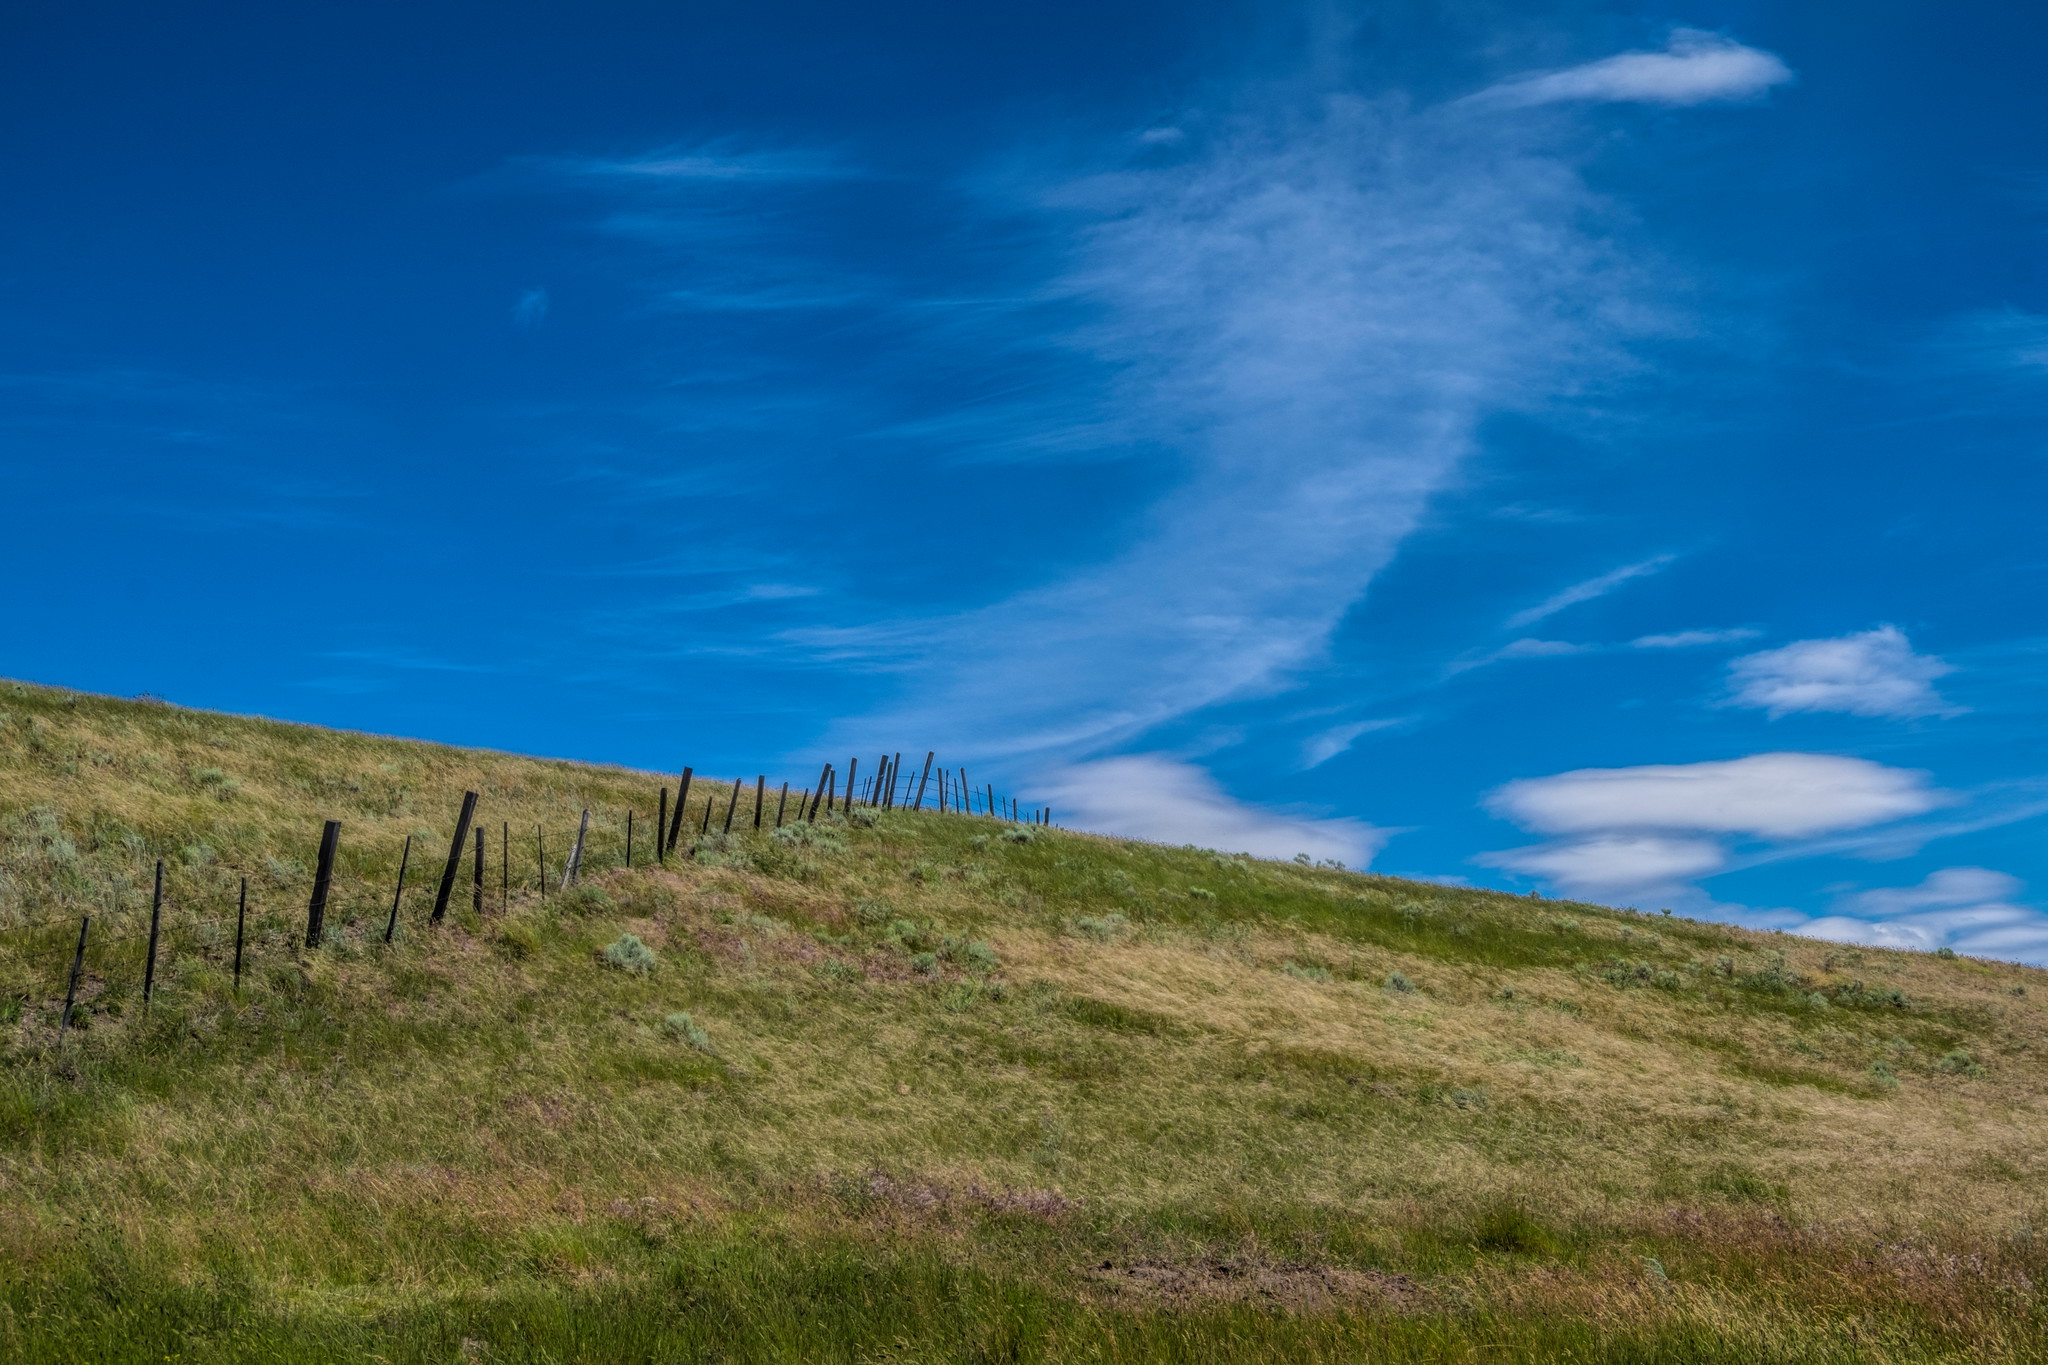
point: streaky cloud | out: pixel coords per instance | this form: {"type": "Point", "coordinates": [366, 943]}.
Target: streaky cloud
{"type": "Point", "coordinates": [1598, 586]}
{"type": "Point", "coordinates": [1696, 67]}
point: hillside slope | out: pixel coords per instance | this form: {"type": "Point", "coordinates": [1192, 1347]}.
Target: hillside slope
{"type": "Point", "coordinates": [921, 1087]}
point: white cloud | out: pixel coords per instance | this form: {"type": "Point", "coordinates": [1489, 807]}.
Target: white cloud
{"type": "Point", "coordinates": [1312, 307]}
{"type": "Point", "coordinates": [1695, 67]}
{"type": "Point", "coordinates": [1150, 796]}
{"type": "Point", "coordinates": [1587, 591]}
{"type": "Point", "coordinates": [1968, 909]}
{"type": "Point", "coordinates": [1773, 796]}
{"type": "Point", "coordinates": [1693, 639]}
{"type": "Point", "coordinates": [1521, 649]}
{"type": "Point", "coordinates": [1875, 673]}
{"type": "Point", "coordinates": [1616, 865]}
{"type": "Point", "coordinates": [1321, 748]}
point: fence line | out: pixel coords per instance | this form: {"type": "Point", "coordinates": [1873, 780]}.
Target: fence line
{"type": "Point", "coordinates": [99, 958]}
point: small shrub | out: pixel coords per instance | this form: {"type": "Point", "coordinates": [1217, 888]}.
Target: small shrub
{"type": "Point", "coordinates": [1565, 924]}
{"type": "Point", "coordinates": [1475, 1098]}
{"type": "Point", "coordinates": [1101, 928]}
{"type": "Point", "coordinates": [2016, 990]}
{"type": "Point", "coordinates": [837, 969]}
{"type": "Point", "coordinates": [628, 954]}
{"type": "Point", "coordinates": [925, 871]}
{"type": "Point", "coordinates": [861, 817]}
{"type": "Point", "coordinates": [1400, 984]}
{"type": "Point", "coordinates": [681, 1027]}
{"type": "Point", "coordinates": [1883, 1076]}
{"type": "Point", "coordinates": [1201, 893]}
{"type": "Point", "coordinates": [1022, 834]}
{"type": "Point", "coordinates": [925, 964]}
{"type": "Point", "coordinates": [974, 954]}
{"type": "Point", "coordinates": [1305, 973]}
{"type": "Point", "coordinates": [1304, 860]}
{"type": "Point", "coordinates": [804, 834]}
{"type": "Point", "coordinates": [1959, 1063]}
{"type": "Point", "coordinates": [872, 913]}
{"type": "Point", "coordinates": [979, 841]}
{"type": "Point", "coordinates": [1948, 953]}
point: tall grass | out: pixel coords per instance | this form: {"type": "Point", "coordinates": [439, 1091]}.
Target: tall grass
{"type": "Point", "coordinates": [904, 1088]}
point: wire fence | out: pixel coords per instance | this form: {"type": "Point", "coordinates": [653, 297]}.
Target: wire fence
{"type": "Point", "coordinates": [64, 970]}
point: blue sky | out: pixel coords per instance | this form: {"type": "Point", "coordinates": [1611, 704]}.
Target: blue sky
{"type": "Point", "coordinates": [1588, 448]}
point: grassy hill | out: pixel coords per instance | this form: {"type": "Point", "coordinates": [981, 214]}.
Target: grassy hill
{"type": "Point", "coordinates": [923, 1088]}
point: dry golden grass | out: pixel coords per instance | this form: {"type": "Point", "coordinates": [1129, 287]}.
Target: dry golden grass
{"type": "Point", "coordinates": [1174, 1058]}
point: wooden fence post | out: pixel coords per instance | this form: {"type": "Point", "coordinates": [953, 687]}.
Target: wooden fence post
{"type": "Point", "coordinates": [241, 918]}
{"type": "Point", "coordinates": [813, 813]}
{"type": "Point", "coordinates": [732, 804]}
{"type": "Point", "coordinates": [454, 857]}
{"type": "Point", "coordinates": [77, 966]}
{"type": "Point", "coordinates": [505, 868]}
{"type": "Point", "coordinates": [323, 880]}
{"type": "Point", "coordinates": [540, 860]}
{"type": "Point", "coordinates": [156, 911]}
{"type": "Point", "coordinates": [781, 805]}
{"type": "Point", "coordinates": [476, 888]}
{"type": "Point", "coordinates": [924, 781]}
{"type": "Point", "coordinates": [575, 868]}
{"type": "Point", "coordinates": [852, 771]}
{"type": "Point", "coordinates": [675, 829]}
{"type": "Point", "coordinates": [661, 828]}
{"type": "Point", "coordinates": [398, 894]}
{"type": "Point", "coordinates": [629, 841]}
{"type": "Point", "coordinates": [760, 793]}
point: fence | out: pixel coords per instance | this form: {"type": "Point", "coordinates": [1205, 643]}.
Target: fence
{"type": "Point", "coordinates": [108, 965]}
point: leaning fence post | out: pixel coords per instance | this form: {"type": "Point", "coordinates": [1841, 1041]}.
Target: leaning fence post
{"type": "Point", "coordinates": [930, 754]}
{"type": "Point", "coordinates": [575, 867]}
{"type": "Point", "coordinates": [156, 911]}
{"type": "Point", "coordinates": [391, 925]}
{"type": "Point", "coordinates": [77, 965]}
{"type": "Point", "coordinates": [241, 918]}
{"type": "Point", "coordinates": [781, 805]}
{"type": "Point", "coordinates": [323, 879]}
{"type": "Point", "coordinates": [812, 814]}
{"type": "Point", "coordinates": [732, 804]}
{"type": "Point", "coordinates": [454, 857]}
{"type": "Point", "coordinates": [852, 772]}
{"type": "Point", "coordinates": [675, 829]}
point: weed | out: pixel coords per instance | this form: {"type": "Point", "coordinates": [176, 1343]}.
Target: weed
{"type": "Point", "coordinates": [1959, 1063]}
{"type": "Point", "coordinates": [1400, 984]}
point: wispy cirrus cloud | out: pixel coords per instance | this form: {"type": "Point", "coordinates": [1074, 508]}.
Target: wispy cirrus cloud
{"type": "Point", "coordinates": [1303, 304]}
{"type": "Point", "coordinates": [1695, 67]}
{"type": "Point", "coordinates": [1597, 586]}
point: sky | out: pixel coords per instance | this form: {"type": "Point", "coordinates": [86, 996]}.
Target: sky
{"type": "Point", "coordinates": [1590, 449]}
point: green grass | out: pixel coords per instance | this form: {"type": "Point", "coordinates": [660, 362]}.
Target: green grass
{"type": "Point", "coordinates": [904, 1089]}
